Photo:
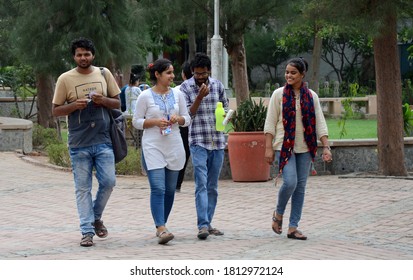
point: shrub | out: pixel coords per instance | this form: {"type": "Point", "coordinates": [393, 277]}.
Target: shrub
{"type": "Point", "coordinates": [43, 137]}
{"type": "Point", "coordinates": [407, 120]}
{"type": "Point", "coordinates": [59, 154]}
{"type": "Point", "coordinates": [131, 164]}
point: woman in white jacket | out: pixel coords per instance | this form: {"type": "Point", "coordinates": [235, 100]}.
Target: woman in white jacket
{"type": "Point", "coordinates": [294, 123]}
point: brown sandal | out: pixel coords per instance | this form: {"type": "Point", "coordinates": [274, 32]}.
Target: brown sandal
{"type": "Point", "coordinates": [164, 236]}
{"type": "Point", "coordinates": [100, 229]}
{"type": "Point", "coordinates": [276, 224]}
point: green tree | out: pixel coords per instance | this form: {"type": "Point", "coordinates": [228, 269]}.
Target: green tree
{"type": "Point", "coordinates": [264, 50]}
{"type": "Point", "coordinates": [169, 27]}
{"type": "Point", "coordinates": [379, 19]}
{"type": "Point", "coordinates": [340, 46]}
{"type": "Point", "coordinates": [237, 19]}
{"type": "Point", "coordinates": [8, 13]}
{"type": "Point", "coordinates": [43, 32]}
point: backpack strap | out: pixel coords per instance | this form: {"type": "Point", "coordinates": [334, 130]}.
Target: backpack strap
{"type": "Point", "coordinates": [102, 71]}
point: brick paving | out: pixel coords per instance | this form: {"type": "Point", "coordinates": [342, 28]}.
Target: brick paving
{"type": "Point", "coordinates": [344, 219]}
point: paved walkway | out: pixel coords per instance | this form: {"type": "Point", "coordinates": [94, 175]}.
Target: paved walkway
{"type": "Point", "coordinates": [345, 219]}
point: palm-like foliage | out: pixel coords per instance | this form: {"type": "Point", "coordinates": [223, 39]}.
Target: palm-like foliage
{"type": "Point", "coordinates": [250, 116]}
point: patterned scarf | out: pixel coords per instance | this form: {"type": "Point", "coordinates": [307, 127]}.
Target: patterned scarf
{"type": "Point", "coordinates": [308, 118]}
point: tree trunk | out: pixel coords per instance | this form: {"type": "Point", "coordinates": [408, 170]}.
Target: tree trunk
{"type": "Point", "coordinates": [45, 90]}
{"type": "Point", "coordinates": [239, 70]}
{"type": "Point", "coordinates": [389, 100]}
{"type": "Point", "coordinates": [191, 39]}
{"type": "Point", "coordinates": [314, 74]}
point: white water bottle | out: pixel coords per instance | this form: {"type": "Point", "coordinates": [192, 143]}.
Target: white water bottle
{"type": "Point", "coordinates": [228, 117]}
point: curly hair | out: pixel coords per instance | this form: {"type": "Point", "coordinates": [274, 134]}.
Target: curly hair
{"type": "Point", "coordinates": [83, 43]}
{"type": "Point", "coordinates": [201, 60]}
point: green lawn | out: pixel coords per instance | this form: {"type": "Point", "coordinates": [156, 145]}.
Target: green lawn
{"type": "Point", "coordinates": [356, 129]}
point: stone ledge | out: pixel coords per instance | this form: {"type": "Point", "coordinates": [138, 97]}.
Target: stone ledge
{"type": "Point", "coordinates": [13, 123]}
{"type": "Point", "coordinates": [16, 134]}
{"type": "Point", "coordinates": [362, 142]}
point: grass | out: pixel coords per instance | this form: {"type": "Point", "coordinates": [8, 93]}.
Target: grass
{"type": "Point", "coordinates": [355, 128]}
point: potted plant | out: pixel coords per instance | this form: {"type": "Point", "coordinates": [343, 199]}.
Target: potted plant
{"type": "Point", "coordinates": [246, 143]}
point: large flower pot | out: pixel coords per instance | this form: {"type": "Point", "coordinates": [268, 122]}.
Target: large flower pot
{"type": "Point", "coordinates": [246, 152]}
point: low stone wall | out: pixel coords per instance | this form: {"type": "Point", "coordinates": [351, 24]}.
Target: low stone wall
{"type": "Point", "coordinates": [16, 134]}
{"type": "Point", "coordinates": [8, 106]}
{"type": "Point", "coordinates": [361, 155]}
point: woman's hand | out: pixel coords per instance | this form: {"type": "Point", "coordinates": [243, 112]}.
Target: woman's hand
{"type": "Point", "coordinates": [175, 119]}
{"type": "Point", "coordinates": [269, 155]}
{"type": "Point", "coordinates": [327, 156]}
{"type": "Point", "coordinates": [163, 123]}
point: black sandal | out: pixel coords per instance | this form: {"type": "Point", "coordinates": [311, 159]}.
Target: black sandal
{"type": "Point", "coordinates": [100, 229]}
{"type": "Point", "coordinates": [276, 224]}
{"type": "Point", "coordinates": [293, 235]}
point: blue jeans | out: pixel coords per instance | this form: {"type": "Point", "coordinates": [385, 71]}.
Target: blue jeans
{"type": "Point", "coordinates": [295, 174]}
{"type": "Point", "coordinates": [207, 166]}
{"type": "Point", "coordinates": [83, 160]}
{"type": "Point", "coordinates": [163, 183]}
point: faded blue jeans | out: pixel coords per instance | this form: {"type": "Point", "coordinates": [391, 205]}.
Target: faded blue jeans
{"type": "Point", "coordinates": [207, 166]}
{"type": "Point", "coordinates": [83, 161]}
{"type": "Point", "coordinates": [163, 184]}
{"type": "Point", "coordinates": [295, 174]}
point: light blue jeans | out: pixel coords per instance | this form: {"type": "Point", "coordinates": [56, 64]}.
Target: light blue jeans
{"type": "Point", "coordinates": [207, 166]}
{"type": "Point", "coordinates": [163, 183]}
{"type": "Point", "coordinates": [295, 174]}
{"type": "Point", "coordinates": [83, 161]}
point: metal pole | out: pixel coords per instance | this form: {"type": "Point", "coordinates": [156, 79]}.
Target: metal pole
{"type": "Point", "coordinates": [216, 46]}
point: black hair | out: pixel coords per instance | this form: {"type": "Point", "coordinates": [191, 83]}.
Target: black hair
{"type": "Point", "coordinates": [300, 63]}
{"type": "Point", "coordinates": [83, 43]}
{"type": "Point", "coordinates": [201, 60]}
{"type": "Point", "coordinates": [159, 66]}
{"type": "Point", "coordinates": [133, 78]}
{"type": "Point", "coordinates": [186, 69]}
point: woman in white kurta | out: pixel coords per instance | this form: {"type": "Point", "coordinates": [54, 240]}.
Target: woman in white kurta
{"type": "Point", "coordinates": [160, 110]}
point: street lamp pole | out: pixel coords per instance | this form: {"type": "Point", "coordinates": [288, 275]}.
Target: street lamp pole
{"type": "Point", "coordinates": [216, 47]}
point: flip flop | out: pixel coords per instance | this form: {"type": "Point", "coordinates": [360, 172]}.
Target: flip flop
{"type": "Point", "coordinates": [293, 235]}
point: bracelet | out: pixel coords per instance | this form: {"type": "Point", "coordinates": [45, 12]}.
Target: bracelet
{"type": "Point", "coordinates": [327, 147]}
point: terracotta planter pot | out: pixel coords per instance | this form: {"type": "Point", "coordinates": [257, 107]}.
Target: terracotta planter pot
{"type": "Point", "coordinates": [246, 152]}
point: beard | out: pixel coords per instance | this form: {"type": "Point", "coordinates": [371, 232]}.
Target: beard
{"type": "Point", "coordinates": [84, 64]}
{"type": "Point", "coordinates": [199, 82]}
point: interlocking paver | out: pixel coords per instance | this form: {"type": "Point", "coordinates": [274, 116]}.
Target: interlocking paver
{"type": "Point", "coordinates": [349, 219]}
